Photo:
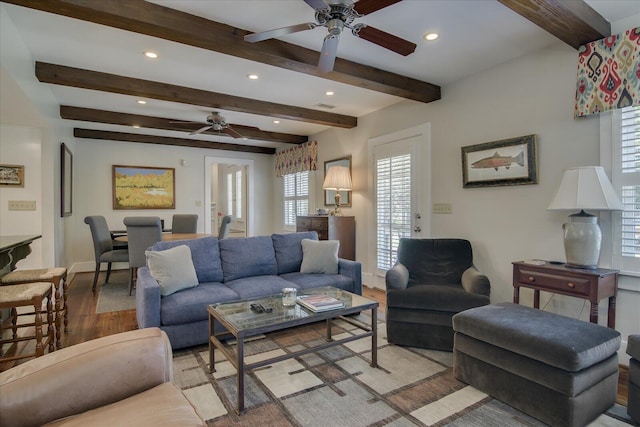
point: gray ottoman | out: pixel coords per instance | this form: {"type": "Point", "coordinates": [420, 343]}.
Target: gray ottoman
{"type": "Point", "coordinates": [562, 371]}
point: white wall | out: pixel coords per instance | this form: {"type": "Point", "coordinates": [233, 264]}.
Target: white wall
{"type": "Point", "coordinates": [530, 95]}
{"type": "Point", "coordinates": [93, 187]}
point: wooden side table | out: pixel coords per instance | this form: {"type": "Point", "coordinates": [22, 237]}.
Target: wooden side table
{"type": "Point", "coordinates": [592, 285]}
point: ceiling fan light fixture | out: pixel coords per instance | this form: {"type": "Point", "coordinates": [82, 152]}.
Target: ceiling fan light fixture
{"type": "Point", "coordinates": [431, 36]}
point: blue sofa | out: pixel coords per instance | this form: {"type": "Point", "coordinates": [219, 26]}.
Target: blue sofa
{"type": "Point", "coordinates": [231, 270]}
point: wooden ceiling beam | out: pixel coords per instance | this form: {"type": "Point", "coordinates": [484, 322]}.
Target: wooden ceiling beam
{"type": "Point", "coordinates": [87, 79]}
{"type": "Point", "coordinates": [170, 24]}
{"type": "Point", "coordinates": [164, 140]}
{"type": "Point", "coordinates": [114, 118]}
{"type": "Point", "coordinates": [573, 22]}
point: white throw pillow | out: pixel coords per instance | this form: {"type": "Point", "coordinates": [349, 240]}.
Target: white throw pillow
{"type": "Point", "coordinates": [173, 269]}
{"type": "Point", "coordinates": [319, 256]}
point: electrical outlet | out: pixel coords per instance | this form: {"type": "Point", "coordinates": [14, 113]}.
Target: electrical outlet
{"type": "Point", "coordinates": [442, 208]}
{"type": "Point", "coordinates": [22, 205]}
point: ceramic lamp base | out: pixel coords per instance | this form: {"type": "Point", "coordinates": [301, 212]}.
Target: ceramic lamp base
{"type": "Point", "coordinates": [582, 241]}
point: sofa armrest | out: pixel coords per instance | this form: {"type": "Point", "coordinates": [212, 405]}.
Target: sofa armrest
{"type": "Point", "coordinates": [475, 283]}
{"type": "Point", "coordinates": [147, 299]}
{"type": "Point", "coordinates": [397, 277]}
{"type": "Point", "coordinates": [85, 376]}
{"type": "Point", "coordinates": [352, 269]}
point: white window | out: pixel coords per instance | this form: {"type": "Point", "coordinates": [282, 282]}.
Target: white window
{"type": "Point", "coordinates": [238, 195]}
{"type": "Point", "coordinates": [296, 197]}
{"type": "Point", "coordinates": [626, 177]}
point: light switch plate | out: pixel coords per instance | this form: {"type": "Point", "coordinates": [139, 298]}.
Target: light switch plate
{"type": "Point", "coordinates": [442, 208]}
{"type": "Point", "coordinates": [22, 205]}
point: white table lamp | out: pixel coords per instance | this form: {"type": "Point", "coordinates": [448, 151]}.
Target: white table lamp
{"type": "Point", "coordinates": [339, 179]}
{"type": "Point", "coordinates": [583, 188]}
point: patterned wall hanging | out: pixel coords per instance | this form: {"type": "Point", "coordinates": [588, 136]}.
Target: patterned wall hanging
{"type": "Point", "coordinates": [301, 158]}
{"type": "Point", "coordinates": [609, 73]}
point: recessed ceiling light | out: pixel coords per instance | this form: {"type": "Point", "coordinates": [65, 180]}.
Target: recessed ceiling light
{"type": "Point", "coordinates": [431, 36]}
{"type": "Point", "coordinates": [141, 101]}
{"type": "Point", "coordinates": [329, 93]}
{"type": "Point", "coordinates": [136, 126]}
{"type": "Point", "coordinates": [150, 54]}
{"type": "Point", "coordinates": [252, 76]}
{"type": "Point", "coordinates": [276, 121]}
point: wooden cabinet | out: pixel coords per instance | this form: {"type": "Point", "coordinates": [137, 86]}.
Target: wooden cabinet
{"type": "Point", "coordinates": [592, 285]}
{"type": "Point", "coordinates": [342, 228]}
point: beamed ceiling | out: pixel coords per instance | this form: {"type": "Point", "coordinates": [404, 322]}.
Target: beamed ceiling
{"type": "Point", "coordinates": [90, 54]}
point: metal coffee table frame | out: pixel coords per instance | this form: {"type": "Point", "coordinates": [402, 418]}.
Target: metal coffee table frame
{"type": "Point", "coordinates": [238, 319]}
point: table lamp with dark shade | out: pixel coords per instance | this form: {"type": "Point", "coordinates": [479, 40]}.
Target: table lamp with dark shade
{"type": "Point", "coordinates": [584, 188]}
{"type": "Point", "coordinates": [339, 179]}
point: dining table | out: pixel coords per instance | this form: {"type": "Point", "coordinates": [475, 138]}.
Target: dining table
{"type": "Point", "coordinates": [168, 237]}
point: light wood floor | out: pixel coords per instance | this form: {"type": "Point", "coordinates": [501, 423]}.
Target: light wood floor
{"type": "Point", "coordinates": [85, 324]}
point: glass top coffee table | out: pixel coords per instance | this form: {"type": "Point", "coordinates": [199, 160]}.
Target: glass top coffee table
{"type": "Point", "coordinates": [242, 322]}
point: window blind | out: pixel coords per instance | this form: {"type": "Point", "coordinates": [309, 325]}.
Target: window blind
{"type": "Point", "coordinates": [630, 186]}
{"type": "Point", "coordinates": [393, 207]}
{"type": "Point", "coordinates": [296, 196]}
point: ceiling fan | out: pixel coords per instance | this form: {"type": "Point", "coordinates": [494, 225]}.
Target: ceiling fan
{"type": "Point", "coordinates": [217, 123]}
{"type": "Point", "coordinates": [336, 15]}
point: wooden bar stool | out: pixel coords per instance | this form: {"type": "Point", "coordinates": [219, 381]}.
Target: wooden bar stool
{"type": "Point", "coordinates": [27, 294]}
{"type": "Point", "coordinates": [57, 276]}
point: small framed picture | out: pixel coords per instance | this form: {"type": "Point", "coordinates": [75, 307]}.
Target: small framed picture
{"type": "Point", "coordinates": [507, 162]}
{"type": "Point", "coordinates": [12, 175]}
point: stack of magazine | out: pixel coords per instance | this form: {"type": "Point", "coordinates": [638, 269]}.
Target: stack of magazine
{"type": "Point", "coordinates": [319, 302]}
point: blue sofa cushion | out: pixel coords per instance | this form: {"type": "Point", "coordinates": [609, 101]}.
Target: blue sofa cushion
{"type": "Point", "coordinates": [191, 304]}
{"type": "Point", "coordinates": [289, 250]}
{"type": "Point", "coordinates": [308, 281]}
{"type": "Point", "coordinates": [259, 286]}
{"type": "Point", "coordinates": [251, 256]}
{"type": "Point", "coordinates": [204, 253]}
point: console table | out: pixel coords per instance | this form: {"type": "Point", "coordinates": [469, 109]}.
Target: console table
{"type": "Point", "coordinates": [592, 285]}
{"type": "Point", "coordinates": [12, 250]}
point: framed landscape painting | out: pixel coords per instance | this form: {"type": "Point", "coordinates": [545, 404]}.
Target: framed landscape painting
{"type": "Point", "coordinates": [142, 187]}
{"type": "Point", "coordinates": [507, 162]}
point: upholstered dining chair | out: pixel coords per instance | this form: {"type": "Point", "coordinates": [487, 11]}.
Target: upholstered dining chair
{"type": "Point", "coordinates": [225, 225]}
{"type": "Point", "coordinates": [142, 232]}
{"type": "Point", "coordinates": [103, 246]}
{"type": "Point", "coordinates": [184, 223]}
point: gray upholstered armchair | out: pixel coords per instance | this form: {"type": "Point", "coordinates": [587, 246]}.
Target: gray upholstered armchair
{"type": "Point", "coordinates": [432, 280]}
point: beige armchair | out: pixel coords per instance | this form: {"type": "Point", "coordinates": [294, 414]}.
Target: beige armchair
{"type": "Point", "coordinates": [118, 380]}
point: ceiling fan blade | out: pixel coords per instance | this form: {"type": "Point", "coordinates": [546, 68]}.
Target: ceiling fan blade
{"type": "Point", "coordinates": [365, 7]}
{"type": "Point", "coordinates": [386, 40]}
{"type": "Point", "coordinates": [278, 32]}
{"type": "Point", "coordinates": [243, 127]}
{"type": "Point", "coordinates": [199, 131]}
{"type": "Point", "coordinates": [317, 4]}
{"type": "Point", "coordinates": [231, 132]}
{"type": "Point", "coordinates": [328, 54]}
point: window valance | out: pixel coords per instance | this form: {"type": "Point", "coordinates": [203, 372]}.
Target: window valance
{"type": "Point", "coordinates": [301, 158]}
{"type": "Point", "coordinates": [608, 73]}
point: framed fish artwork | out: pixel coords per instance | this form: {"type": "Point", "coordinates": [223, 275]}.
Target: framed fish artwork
{"type": "Point", "coordinates": [511, 161]}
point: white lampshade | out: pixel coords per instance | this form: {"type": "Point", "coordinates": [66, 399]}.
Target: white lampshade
{"type": "Point", "coordinates": [338, 178]}
{"type": "Point", "coordinates": [585, 187]}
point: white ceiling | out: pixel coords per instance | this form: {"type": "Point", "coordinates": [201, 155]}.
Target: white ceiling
{"type": "Point", "coordinates": [475, 35]}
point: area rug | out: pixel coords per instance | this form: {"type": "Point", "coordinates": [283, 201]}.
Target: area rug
{"type": "Point", "coordinates": [114, 296]}
{"type": "Point", "coordinates": [337, 387]}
